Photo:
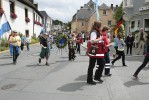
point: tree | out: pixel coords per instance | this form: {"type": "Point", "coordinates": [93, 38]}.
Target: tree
{"type": "Point", "coordinates": [118, 13]}
{"type": "Point", "coordinates": [57, 22]}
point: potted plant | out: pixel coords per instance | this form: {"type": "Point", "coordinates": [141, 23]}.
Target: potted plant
{"type": "Point", "coordinates": [1, 11]}
{"type": "Point", "coordinates": [13, 15]}
{"type": "Point", "coordinates": [27, 19]}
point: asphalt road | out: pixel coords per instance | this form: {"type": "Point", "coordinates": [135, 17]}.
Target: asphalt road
{"type": "Point", "coordinates": [66, 80]}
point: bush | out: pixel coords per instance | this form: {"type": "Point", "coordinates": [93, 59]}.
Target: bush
{"type": "Point", "coordinates": [3, 45]}
{"type": "Point", "coordinates": [34, 40]}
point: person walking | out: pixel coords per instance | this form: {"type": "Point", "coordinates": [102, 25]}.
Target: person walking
{"type": "Point", "coordinates": [79, 41]}
{"type": "Point", "coordinates": [95, 39]}
{"type": "Point", "coordinates": [15, 40]}
{"type": "Point", "coordinates": [44, 49]}
{"type": "Point", "coordinates": [22, 42]}
{"type": "Point", "coordinates": [146, 58]}
{"type": "Point", "coordinates": [28, 41]}
{"type": "Point", "coordinates": [115, 46]}
{"type": "Point", "coordinates": [129, 43]}
{"type": "Point", "coordinates": [141, 38]}
{"type": "Point", "coordinates": [121, 53]}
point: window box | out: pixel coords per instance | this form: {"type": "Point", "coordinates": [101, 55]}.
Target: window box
{"type": "Point", "coordinates": [27, 19]}
{"type": "Point", "coordinates": [13, 15]}
{"type": "Point", "coordinates": [1, 11]}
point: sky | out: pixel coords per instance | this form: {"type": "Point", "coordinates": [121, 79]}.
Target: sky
{"type": "Point", "coordinates": [63, 10]}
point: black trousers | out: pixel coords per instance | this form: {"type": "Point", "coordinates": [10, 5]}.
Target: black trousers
{"type": "Point", "coordinates": [78, 48]}
{"type": "Point", "coordinates": [71, 53]}
{"type": "Point", "coordinates": [146, 60]}
{"type": "Point", "coordinates": [120, 54]}
{"type": "Point", "coordinates": [22, 46]}
{"type": "Point", "coordinates": [98, 73]}
{"type": "Point", "coordinates": [129, 46]}
{"type": "Point", "coordinates": [116, 50]}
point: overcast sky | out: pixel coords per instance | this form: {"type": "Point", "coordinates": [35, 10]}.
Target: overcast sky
{"type": "Point", "coordinates": [64, 9]}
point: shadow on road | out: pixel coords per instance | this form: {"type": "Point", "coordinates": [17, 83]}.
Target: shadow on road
{"type": "Point", "coordinates": [81, 78]}
{"type": "Point", "coordinates": [134, 82]}
{"type": "Point", "coordinates": [72, 87]}
{"type": "Point", "coordinates": [6, 57]}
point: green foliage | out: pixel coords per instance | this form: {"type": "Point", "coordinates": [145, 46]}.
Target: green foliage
{"type": "Point", "coordinates": [3, 44]}
{"type": "Point", "coordinates": [34, 40]}
{"type": "Point", "coordinates": [57, 22]}
{"type": "Point", "coordinates": [118, 13]}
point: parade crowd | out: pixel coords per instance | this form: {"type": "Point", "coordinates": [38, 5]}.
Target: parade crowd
{"type": "Point", "coordinates": [98, 43]}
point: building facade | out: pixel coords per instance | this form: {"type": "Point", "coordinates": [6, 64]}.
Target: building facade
{"type": "Point", "coordinates": [47, 21]}
{"type": "Point", "coordinates": [136, 15]}
{"type": "Point", "coordinates": [85, 17]}
{"type": "Point", "coordinates": [23, 16]}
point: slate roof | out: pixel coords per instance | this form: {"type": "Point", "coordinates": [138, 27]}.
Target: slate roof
{"type": "Point", "coordinates": [44, 14]}
{"type": "Point", "coordinates": [104, 6]}
{"type": "Point", "coordinates": [84, 14]}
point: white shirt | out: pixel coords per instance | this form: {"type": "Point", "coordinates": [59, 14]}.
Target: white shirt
{"type": "Point", "coordinates": [93, 36]}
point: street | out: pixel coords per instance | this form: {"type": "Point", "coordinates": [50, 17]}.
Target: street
{"type": "Point", "coordinates": [66, 80]}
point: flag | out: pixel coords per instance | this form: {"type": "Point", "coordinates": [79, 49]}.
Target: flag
{"type": "Point", "coordinates": [97, 13]}
{"type": "Point", "coordinates": [120, 22]}
{"type": "Point", "coordinates": [43, 27]}
{"type": "Point", "coordinates": [4, 25]}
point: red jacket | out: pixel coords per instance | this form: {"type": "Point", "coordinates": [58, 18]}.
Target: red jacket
{"type": "Point", "coordinates": [106, 42]}
{"type": "Point", "coordinates": [79, 40]}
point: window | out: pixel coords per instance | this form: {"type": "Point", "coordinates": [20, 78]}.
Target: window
{"type": "Point", "coordinates": [27, 33]}
{"type": "Point", "coordinates": [125, 2]}
{"type": "Point", "coordinates": [132, 24]}
{"type": "Point", "coordinates": [109, 23]}
{"type": "Point", "coordinates": [26, 12]}
{"type": "Point", "coordinates": [131, 2]}
{"type": "Point", "coordinates": [104, 12]}
{"type": "Point", "coordinates": [138, 23]}
{"type": "Point", "coordinates": [12, 4]}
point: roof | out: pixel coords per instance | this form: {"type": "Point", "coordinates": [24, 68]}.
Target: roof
{"type": "Point", "coordinates": [84, 14]}
{"type": "Point", "coordinates": [30, 4]}
{"type": "Point", "coordinates": [104, 6]}
{"type": "Point", "coordinates": [44, 14]}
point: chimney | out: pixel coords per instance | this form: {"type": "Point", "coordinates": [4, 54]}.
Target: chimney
{"type": "Point", "coordinates": [81, 7]}
{"type": "Point", "coordinates": [32, 1]}
{"type": "Point", "coordinates": [112, 6]}
{"type": "Point", "coordinates": [36, 5]}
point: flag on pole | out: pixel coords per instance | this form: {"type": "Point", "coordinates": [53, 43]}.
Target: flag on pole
{"type": "Point", "coordinates": [4, 25]}
{"type": "Point", "coordinates": [120, 22]}
{"type": "Point", "coordinates": [43, 27]}
{"type": "Point", "coordinates": [97, 13]}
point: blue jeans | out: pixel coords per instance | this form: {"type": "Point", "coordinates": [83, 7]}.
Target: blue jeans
{"type": "Point", "coordinates": [11, 49]}
{"type": "Point", "coordinates": [15, 53]}
{"type": "Point", "coordinates": [27, 45]}
{"type": "Point", "coordinates": [107, 58]}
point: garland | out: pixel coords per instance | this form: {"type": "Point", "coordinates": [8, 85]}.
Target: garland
{"type": "Point", "coordinates": [62, 41]}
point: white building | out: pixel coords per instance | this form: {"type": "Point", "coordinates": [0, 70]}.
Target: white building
{"type": "Point", "coordinates": [28, 20]}
{"type": "Point", "coordinates": [47, 21]}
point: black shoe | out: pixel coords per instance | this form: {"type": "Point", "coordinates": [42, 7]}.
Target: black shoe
{"type": "Point", "coordinates": [47, 63]}
{"type": "Point", "coordinates": [92, 82]}
{"type": "Point", "coordinates": [39, 60]}
{"type": "Point", "coordinates": [109, 75]}
{"type": "Point", "coordinates": [135, 76]}
{"type": "Point", "coordinates": [112, 63]}
{"type": "Point", "coordinates": [124, 65]}
{"type": "Point", "coordinates": [99, 80]}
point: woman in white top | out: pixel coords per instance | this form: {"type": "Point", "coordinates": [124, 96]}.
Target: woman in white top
{"type": "Point", "coordinates": [121, 53]}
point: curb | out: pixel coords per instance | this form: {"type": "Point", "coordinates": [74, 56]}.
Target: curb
{"type": "Point", "coordinates": [8, 50]}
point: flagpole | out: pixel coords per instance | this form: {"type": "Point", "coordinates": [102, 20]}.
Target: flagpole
{"type": "Point", "coordinates": [97, 12]}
